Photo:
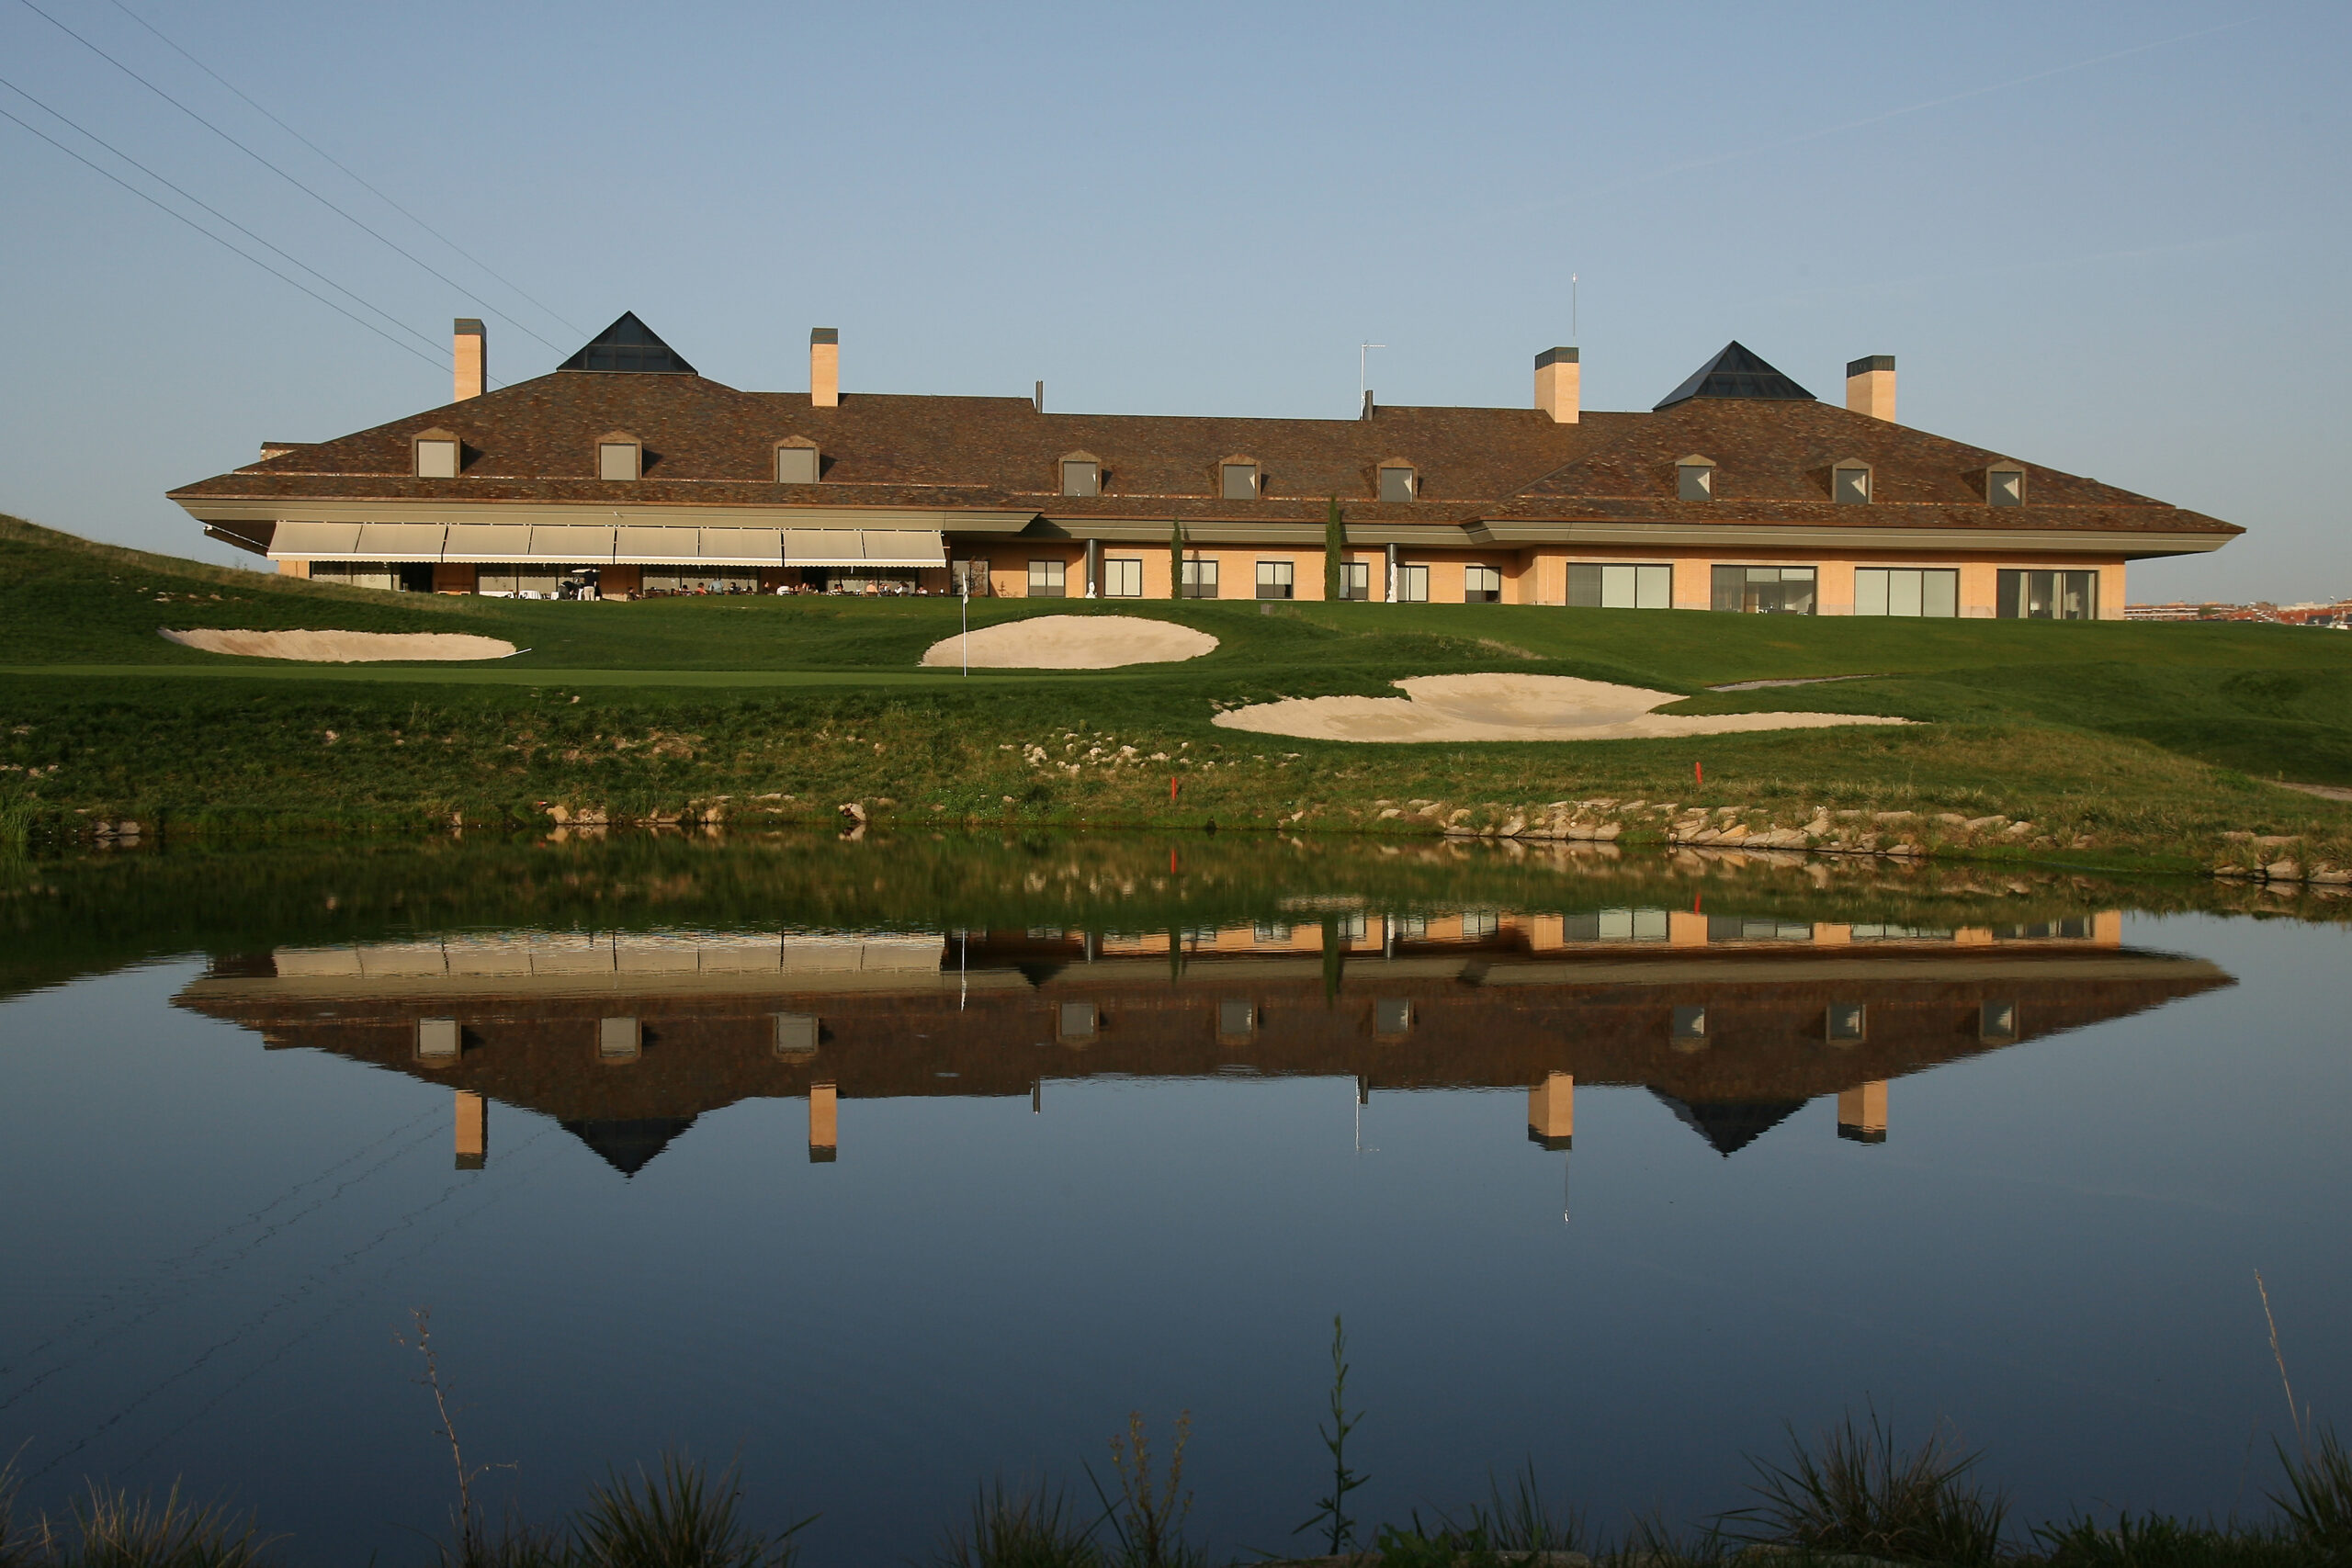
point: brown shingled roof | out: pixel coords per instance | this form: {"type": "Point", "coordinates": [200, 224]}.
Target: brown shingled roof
{"type": "Point", "coordinates": [706, 443]}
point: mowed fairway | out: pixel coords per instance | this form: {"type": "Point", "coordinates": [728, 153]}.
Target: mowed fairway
{"type": "Point", "coordinates": [2150, 739]}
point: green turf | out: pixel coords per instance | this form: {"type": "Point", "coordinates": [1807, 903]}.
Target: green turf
{"type": "Point", "coordinates": [2145, 740]}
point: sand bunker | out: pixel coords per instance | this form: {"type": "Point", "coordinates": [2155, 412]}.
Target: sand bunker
{"type": "Point", "coordinates": [346, 648]}
{"type": "Point", "coordinates": [1508, 707]}
{"type": "Point", "coordinates": [1074, 642]}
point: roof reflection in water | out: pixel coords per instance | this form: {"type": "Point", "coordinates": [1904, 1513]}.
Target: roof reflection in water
{"type": "Point", "coordinates": [626, 1038]}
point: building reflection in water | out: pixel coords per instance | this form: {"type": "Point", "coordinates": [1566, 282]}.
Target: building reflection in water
{"type": "Point", "coordinates": [1734, 1023]}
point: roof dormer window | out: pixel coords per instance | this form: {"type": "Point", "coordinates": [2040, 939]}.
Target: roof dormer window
{"type": "Point", "coordinates": [1081, 474]}
{"type": "Point", "coordinates": [797, 462]}
{"type": "Point", "coordinates": [619, 456]}
{"type": "Point", "coordinates": [1398, 482]}
{"type": "Point", "coordinates": [436, 454]}
{"type": "Point", "coordinates": [1237, 479]}
{"type": "Point", "coordinates": [1695, 479]}
{"type": "Point", "coordinates": [2005, 487]}
{"type": "Point", "coordinates": [1849, 483]}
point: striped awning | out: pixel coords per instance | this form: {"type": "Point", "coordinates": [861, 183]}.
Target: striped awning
{"type": "Point", "coordinates": [573, 544]}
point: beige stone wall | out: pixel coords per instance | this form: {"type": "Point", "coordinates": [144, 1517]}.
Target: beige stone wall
{"type": "Point", "coordinates": [2111, 591]}
{"type": "Point", "coordinates": [1538, 575]}
{"type": "Point", "coordinates": [293, 568]}
{"type": "Point", "coordinates": [1010, 573]}
{"type": "Point", "coordinates": [1448, 571]}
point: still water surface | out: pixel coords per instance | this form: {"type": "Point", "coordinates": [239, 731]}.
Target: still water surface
{"type": "Point", "coordinates": [893, 1168]}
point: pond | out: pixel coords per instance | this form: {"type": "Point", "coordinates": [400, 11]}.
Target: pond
{"type": "Point", "coordinates": [888, 1168]}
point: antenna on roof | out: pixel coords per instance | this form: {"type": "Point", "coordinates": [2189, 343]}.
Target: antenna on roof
{"type": "Point", "coordinates": [1039, 402]}
{"type": "Point", "coordinates": [1363, 358]}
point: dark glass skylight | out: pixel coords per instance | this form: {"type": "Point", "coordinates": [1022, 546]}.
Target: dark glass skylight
{"type": "Point", "coordinates": [1737, 372]}
{"type": "Point", "coordinates": [628, 344]}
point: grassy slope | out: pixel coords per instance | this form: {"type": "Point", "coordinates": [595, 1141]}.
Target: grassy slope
{"type": "Point", "coordinates": [2105, 730]}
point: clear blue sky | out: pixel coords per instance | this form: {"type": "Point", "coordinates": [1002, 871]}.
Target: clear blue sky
{"type": "Point", "coordinates": [2111, 238]}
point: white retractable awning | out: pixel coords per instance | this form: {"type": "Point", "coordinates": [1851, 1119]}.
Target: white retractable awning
{"type": "Point", "coordinates": [578, 542]}
{"type": "Point", "coordinates": [903, 546]}
{"type": "Point", "coordinates": [315, 541]}
{"type": "Point", "coordinates": [487, 542]}
{"type": "Point", "coordinates": [742, 546]}
{"type": "Point", "coordinates": [574, 544]}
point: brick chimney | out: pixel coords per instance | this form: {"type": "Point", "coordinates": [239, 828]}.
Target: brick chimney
{"type": "Point", "coordinates": [471, 356]}
{"type": "Point", "coordinates": [1870, 386]}
{"type": "Point", "coordinates": [1558, 388]}
{"type": "Point", "coordinates": [824, 368]}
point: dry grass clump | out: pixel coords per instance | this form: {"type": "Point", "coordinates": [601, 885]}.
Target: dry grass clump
{"type": "Point", "coordinates": [1858, 1494]}
{"type": "Point", "coordinates": [111, 1528]}
{"type": "Point", "coordinates": [1032, 1528]}
{"type": "Point", "coordinates": [672, 1517]}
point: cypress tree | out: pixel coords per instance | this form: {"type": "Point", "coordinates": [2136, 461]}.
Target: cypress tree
{"type": "Point", "coordinates": [1176, 557]}
{"type": "Point", "coordinates": [1335, 549]}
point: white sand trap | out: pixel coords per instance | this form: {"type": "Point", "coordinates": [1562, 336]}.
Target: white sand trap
{"type": "Point", "coordinates": [1074, 642]}
{"type": "Point", "coordinates": [1510, 708]}
{"type": "Point", "coordinates": [346, 648]}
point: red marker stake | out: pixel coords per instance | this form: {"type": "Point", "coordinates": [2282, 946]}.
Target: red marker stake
{"type": "Point", "coordinates": [1699, 774]}
{"type": "Point", "coordinates": [1171, 789]}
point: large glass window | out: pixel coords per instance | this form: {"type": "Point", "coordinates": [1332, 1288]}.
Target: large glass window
{"type": "Point", "coordinates": [1694, 482]}
{"type": "Point", "coordinates": [796, 465]}
{"type": "Point", "coordinates": [437, 459]}
{"type": "Point", "coordinates": [1199, 581]}
{"type": "Point", "coordinates": [1395, 484]}
{"type": "Point", "coordinates": [1850, 485]}
{"type": "Point", "coordinates": [1765, 589]}
{"type": "Point", "coordinates": [1239, 481]}
{"type": "Point", "coordinates": [1048, 579]}
{"type": "Point", "coordinates": [1275, 580]}
{"type": "Point", "coordinates": [1082, 475]}
{"type": "Point", "coordinates": [1596, 586]}
{"type": "Point", "coordinates": [1907, 590]}
{"type": "Point", "coordinates": [1355, 579]}
{"type": "Point", "coordinates": [617, 460]}
{"type": "Point", "coordinates": [1122, 578]}
{"type": "Point", "coordinates": [1481, 585]}
{"type": "Point", "coordinates": [1412, 585]}
{"type": "Point", "coordinates": [1739, 928]}
{"type": "Point", "coordinates": [2005, 487]}
{"type": "Point", "coordinates": [2048, 596]}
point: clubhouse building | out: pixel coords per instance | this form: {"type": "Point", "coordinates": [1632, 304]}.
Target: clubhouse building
{"type": "Point", "coordinates": [624, 472]}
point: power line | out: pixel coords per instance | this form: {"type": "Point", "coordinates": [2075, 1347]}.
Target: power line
{"type": "Point", "coordinates": [281, 174]}
{"type": "Point", "coordinates": [347, 168]}
{"type": "Point", "coordinates": [217, 240]}
{"type": "Point", "coordinates": [188, 195]}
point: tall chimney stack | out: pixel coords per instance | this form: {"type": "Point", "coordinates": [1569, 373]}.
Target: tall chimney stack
{"type": "Point", "coordinates": [472, 357]}
{"type": "Point", "coordinates": [1558, 384]}
{"type": "Point", "coordinates": [824, 368]}
{"type": "Point", "coordinates": [1870, 386]}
